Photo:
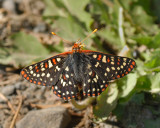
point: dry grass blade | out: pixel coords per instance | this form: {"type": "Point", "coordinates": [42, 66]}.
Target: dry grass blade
{"type": "Point", "coordinates": [9, 103]}
{"type": "Point", "coordinates": [16, 114]}
{"type": "Point", "coordinates": [49, 106]}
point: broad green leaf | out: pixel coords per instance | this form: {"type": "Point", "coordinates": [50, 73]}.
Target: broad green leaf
{"type": "Point", "coordinates": [154, 59]}
{"type": "Point", "coordinates": [145, 40]}
{"type": "Point", "coordinates": [26, 48]}
{"type": "Point", "coordinates": [106, 102]}
{"type": "Point", "coordinates": [143, 83]}
{"type": "Point", "coordinates": [69, 29]}
{"type": "Point", "coordinates": [28, 44]}
{"type": "Point", "coordinates": [127, 84]}
{"type": "Point", "coordinates": [155, 83]}
{"type": "Point", "coordinates": [111, 37]}
{"type": "Point", "coordinates": [52, 9]}
{"type": "Point", "coordinates": [77, 9]}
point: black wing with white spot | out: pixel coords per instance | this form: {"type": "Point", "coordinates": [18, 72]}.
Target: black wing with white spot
{"type": "Point", "coordinates": [46, 72]}
{"type": "Point", "coordinates": [109, 67]}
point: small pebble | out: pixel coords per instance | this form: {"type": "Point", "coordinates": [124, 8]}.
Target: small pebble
{"type": "Point", "coordinates": [9, 5]}
{"type": "Point", "coordinates": [8, 90]}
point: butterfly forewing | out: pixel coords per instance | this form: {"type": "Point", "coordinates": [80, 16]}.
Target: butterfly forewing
{"type": "Point", "coordinates": [109, 67]}
{"type": "Point", "coordinates": [45, 72]}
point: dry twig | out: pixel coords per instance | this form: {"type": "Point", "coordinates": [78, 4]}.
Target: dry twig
{"type": "Point", "coordinates": [16, 114]}
{"type": "Point", "coordinates": [8, 102]}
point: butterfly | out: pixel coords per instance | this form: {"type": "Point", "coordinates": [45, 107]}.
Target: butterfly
{"type": "Point", "coordinates": [78, 73]}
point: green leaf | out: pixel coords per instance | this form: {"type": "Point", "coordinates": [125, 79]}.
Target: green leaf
{"type": "Point", "coordinates": [111, 37]}
{"type": "Point", "coordinates": [106, 102]}
{"type": "Point", "coordinates": [28, 44]}
{"type": "Point", "coordinates": [26, 48]}
{"type": "Point", "coordinates": [143, 83]}
{"type": "Point", "coordinates": [149, 82]}
{"type": "Point", "coordinates": [145, 40]}
{"type": "Point", "coordinates": [155, 83]}
{"type": "Point", "coordinates": [153, 62]}
{"type": "Point", "coordinates": [77, 9]}
{"type": "Point", "coordinates": [69, 29]}
{"type": "Point", "coordinates": [127, 84]}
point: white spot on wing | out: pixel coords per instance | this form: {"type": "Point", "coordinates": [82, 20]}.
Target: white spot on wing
{"type": "Point", "coordinates": [97, 64]}
{"type": "Point", "coordinates": [67, 69]}
{"type": "Point", "coordinates": [50, 64]}
{"type": "Point", "coordinates": [104, 59]}
{"type": "Point", "coordinates": [58, 59]}
{"type": "Point", "coordinates": [94, 56]}
{"type": "Point", "coordinates": [48, 74]}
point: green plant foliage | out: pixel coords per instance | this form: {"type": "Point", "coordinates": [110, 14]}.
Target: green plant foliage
{"type": "Point", "coordinates": [106, 101]}
{"type": "Point", "coordinates": [25, 48]}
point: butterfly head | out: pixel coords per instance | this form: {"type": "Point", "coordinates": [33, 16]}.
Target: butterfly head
{"type": "Point", "coordinates": [77, 47]}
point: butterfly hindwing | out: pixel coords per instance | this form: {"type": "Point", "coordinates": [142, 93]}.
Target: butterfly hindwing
{"type": "Point", "coordinates": [93, 85]}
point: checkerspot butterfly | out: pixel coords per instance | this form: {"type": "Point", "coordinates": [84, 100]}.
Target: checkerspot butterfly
{"type": "Point", "coordinates": [78, 73]}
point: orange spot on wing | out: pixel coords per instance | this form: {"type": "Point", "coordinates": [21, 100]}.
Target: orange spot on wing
{"type": "Point", "coordinates": [106, 85]}
{"type": "Point", "coordinates": [119, 60]}
{"type": "Point", "coordinates": [25, 75]}
{"type": "Point", "coordinates": [84, 94]}
{"type": "Point", "coordinates": [98, 93]}
{"type": "Point", "coordinates": [99, 57]}
{"type": "Point", "coordinates": [131, 66]}
{"type": "Point", "coordinates": [113, 77]}
{"type": "Point", "coordinates": [88, 94]}
{"type": "Point", "coordinates": [52, 87]}
{"type": "Point", "coordinates": [122, 74]}
{"type": "Point", "coordinates": [46, 65]}
{"type": "Point", "coordinates": [39, 83]}
{"type": "Point", "coordinates": [34, 82]}
{"type": "Point", "coordinates": [73, 96]}
{"type": "Point", "coordinates": [27, 78]}
{"type": "Point", "coordinates": [126, 72]}
{"type": "Point", "coordinates": [54, 61]}
{"type": "Point", "coordinates": [69, 98]}
{"type": "Point", "coordinates": [103, 89]}
{"type": "Point", "coordinates": [36, 67]}
{"type": "Point", "coordinates": [133, 63]}
{"type": "Point", "coordinates": [59, 95]}
{"type": "Point", "coordinates": [108, 60]}
{"type": "Point", "coordinates": [31, 81]}
{"type": "Point", "coordinates": [64, 98]}
{"type": "Point", "coordinates": [129, 69]}
{"type": "Point", "coordinates": [44, 84]}
{"type": "Point", "coordinates": [118, 63]}
{"type": "Point", "coordinates": [93, 94]}
{"type": "Point", "coordinates": [118, 76]}
{"type": "Point", "coordinates": [64, 77]}
{"type": "Point", "coordinates": [22, 72]}
{"type": "Point", "coordinates": [55, 92]}
{"type": "Point", "coordinates": [37, 70]}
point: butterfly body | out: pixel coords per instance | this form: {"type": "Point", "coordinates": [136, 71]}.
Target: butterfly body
{"type": "Point", "coordinates": [78, 73]}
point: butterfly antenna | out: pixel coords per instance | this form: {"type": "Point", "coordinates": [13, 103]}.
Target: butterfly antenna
{"type": "Point", "coordinates": [89, 35]}
{"type": "Point", "coordinates": [60, 37]}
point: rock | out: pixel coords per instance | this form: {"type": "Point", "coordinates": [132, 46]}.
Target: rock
{"type": "Point", "coordinates": [41, 27]}
{"type": "Point", "coordinates": [9, 5]}
{"type": "Point", "coordinates": [8, 90]}
{"type": "Point", "coordinates": [56, 117]}
{"type": "Point", "coordinates": [20, 86]}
